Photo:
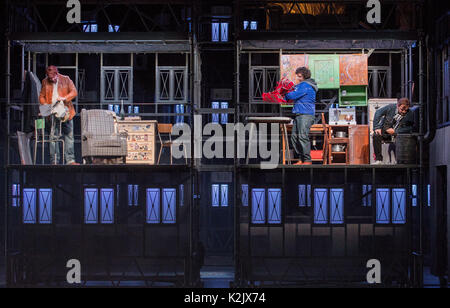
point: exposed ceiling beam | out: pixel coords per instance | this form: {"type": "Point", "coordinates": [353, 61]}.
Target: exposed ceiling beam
{"type": "Point", "coordinates": [99, 36]}
{"type": "Point", "coordinates": [329, 35]}
{"type": "Point", "coordinates": [95, 2]}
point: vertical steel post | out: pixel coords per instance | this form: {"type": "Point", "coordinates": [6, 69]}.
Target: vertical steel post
{"type": "Point", "coordinates": [76, 81]}
{"type": "Point", "coordinates": [403, 77]}
{"type": "Point", "coordinates": [191, 170]}
{"type": "Point", "coordinates": [375, 87]}
{"type": "Point", "coordinates": [410, 73]}
{"type": "Point", "coordinates": [193, 217]}
{"type": "Point", "coordinates": [22, 86]}
{"type": "Point", "coordinates": [389, 77]}
{"type": "Point", "coordinates": [237, 194]}
{"type": "Point", "coordinates": [22, 65]}
{"type": "Point", "coordinates": [7, 162]}
{"type": "Point", "coordinates": [421, 164]}
{"type": "Point", "coordinates": [8, 99]}
{"type": "Point", "coordinates": [34, 64]}
{"type": "Point", "coordinates": [236, 180]}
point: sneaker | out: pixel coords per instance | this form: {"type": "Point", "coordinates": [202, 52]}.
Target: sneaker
{"type": "Point", "coordinates": [306, 163]}
{"type": "Point", "coordinates": [73, 164]}
{"type": "Point", "coordinates": [378, 162]}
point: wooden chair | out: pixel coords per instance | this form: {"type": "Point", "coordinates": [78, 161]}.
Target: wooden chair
{"type": "Point", "coordinates": [166, 129]}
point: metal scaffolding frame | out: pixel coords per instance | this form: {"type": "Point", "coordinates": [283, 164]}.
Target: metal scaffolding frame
{"type": "Point", "coordinates": [294, 43]}
{"type": "Point", "coordinates": [252, 269]}
{"type": "Point", "coordinates": [189, 274]}
{"type": "Point", "coordinates": [243, 42]}
{"type": "Point", "coordinates": [33, 257]}
{"type": "Point", "coordinates": [34, 14]}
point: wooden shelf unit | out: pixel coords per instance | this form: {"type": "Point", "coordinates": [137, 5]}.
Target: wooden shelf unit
{"type": "Point", "coordinates": [338, 158]}
{"type": "Point", "coordinates": [357, 145]}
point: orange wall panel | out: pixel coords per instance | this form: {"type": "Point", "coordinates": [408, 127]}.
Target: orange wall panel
{"type": "Point", "coordinates": [289, 63]}
{"type": "Point", "coordinates": [353, 70]}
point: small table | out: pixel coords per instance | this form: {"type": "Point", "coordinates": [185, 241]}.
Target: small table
{"type": "Point", "coordinates": [283, 121]}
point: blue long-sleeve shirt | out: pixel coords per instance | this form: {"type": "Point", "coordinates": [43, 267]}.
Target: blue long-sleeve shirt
{"type": "Point", "coordinates": [304, 96]}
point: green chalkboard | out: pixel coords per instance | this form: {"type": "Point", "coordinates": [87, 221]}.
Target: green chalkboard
{"type": "Point", "coordinates": [325, 70]}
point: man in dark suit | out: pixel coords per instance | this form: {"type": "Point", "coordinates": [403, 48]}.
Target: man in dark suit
{"type": "Point", "coordinates": [389, 121]}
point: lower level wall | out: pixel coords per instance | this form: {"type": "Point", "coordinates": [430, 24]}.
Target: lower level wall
{"type": "Point", "coordinates": [440, 201]}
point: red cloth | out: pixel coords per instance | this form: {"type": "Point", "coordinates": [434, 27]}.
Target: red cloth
{"type": "Point", "coordinates": [284, 86]}
{"type": "Point", "coordinates": [316, 154]}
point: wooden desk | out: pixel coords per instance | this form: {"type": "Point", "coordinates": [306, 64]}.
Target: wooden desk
{"type": "Point", "coordinates": [140, 141]}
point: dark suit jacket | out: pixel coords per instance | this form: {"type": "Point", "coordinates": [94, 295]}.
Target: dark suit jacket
{"type": "Point", "coordinates": [384, 118]}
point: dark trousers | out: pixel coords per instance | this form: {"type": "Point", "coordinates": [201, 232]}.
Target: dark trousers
{"type": "Point", "coordinates": [377, 141]}
{"type": "Point", "coordinates": [300, 136]}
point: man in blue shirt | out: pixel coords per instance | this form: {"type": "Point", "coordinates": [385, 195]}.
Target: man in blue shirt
{"type": "Point", "coordinates": [304, 96]}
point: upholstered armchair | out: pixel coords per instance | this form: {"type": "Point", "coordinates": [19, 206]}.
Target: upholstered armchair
{"type": "Point", "coordinates": [99, 138]}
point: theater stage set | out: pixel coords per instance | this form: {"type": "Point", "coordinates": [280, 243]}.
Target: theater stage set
{"type": "Point", "coordinates": [133, 215]}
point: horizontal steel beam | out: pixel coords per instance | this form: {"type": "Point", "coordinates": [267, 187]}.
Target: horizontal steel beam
{"type": "Point", "coordinates": [338, 35]}
{"type": "Point", "coordinates": [109, 2]}
{"type": "Point", "coordinates": [100, 168]}
{"type": "Point", "coordinates": [329, 44]}
{"type": "Point", "coordinates": [125, 42]}
{"type": "Point", "coordinates": [99, 37]}
{"type": "Point", "coordinates": [243, 167]}
{"type": "Point", "coordinates": [256, 2]}
{"type": "Point", "coordinates": [110, 47]}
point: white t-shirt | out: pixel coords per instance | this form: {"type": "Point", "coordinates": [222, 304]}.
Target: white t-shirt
{"type": "Point", "coordinates": [55, 92]}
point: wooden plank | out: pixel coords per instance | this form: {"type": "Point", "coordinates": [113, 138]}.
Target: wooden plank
{"type": "Point", "coordinates": [353, 70]}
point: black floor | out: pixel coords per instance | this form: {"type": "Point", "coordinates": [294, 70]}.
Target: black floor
{"type": "Point", "coordinates": [218, 272]}
{"type": "Point", "coordinates": [2, 273]}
